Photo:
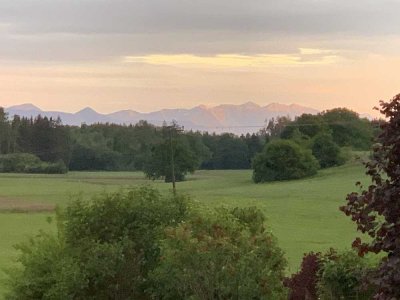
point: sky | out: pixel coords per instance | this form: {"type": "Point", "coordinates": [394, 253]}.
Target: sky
{"type": "Point", "coordinates": [151, 54]}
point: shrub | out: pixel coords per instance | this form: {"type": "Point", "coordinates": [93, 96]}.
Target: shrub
{"type": "Point", "coordinates": [222, 255]}
{"type": "Point", "coordinates": [104, 248]}
{"type": "Point", "coordinates": [29, 163]}
{"type": "Point", "coordinates": [17, 162]}
{"type": "Point", "coordinates": [331, 276]}
{"type": "Point", "coordinates": [141, 245]}
{"type": "Point", "coordinates": [327, 151]}
{"type": "Point", "coordinates": [56, 168]}
{"type": "Point", "coordinates": [282, 160]}
{"type": "Point", "coordinates": [341, 276]}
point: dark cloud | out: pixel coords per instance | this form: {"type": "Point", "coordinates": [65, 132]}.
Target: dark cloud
{"type": "Point", "coordinates": [84, 29]}
{"type": "Point", "coordinates": [155, 16]}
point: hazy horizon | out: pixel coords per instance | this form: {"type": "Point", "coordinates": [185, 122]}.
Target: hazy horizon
{"type": "Point", "coordinates": [153, 54]}
{"type": "Point", "coordinates": [375, 113]}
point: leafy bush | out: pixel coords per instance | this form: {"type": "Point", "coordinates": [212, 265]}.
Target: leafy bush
{"type": "Point", "coordinates": [341, 276]}
{"type": "Point", "coordinates": [327, 151]}
{"type": "Point", "coordinates": [103, 250]}
{"type": "Point", "coordinates": [282, 160]}
{"type": "Point", "coordinates": [29, 163]}
{"type": "Point", "coordinates": [222, 255]}
{"type": "Point", "coordinates": [17, 162]}
{"type": "Point", "coordinates": [123, 246]}
{"type": "Point", "coordinates": [331, 276]}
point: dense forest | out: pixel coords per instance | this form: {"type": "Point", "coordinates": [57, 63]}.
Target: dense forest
{"type": "Point", "coordinates": [135, 147]}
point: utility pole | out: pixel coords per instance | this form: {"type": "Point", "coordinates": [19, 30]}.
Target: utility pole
{"type": "Point", "coordinates": [172, 161]}
{"type": "Point", "coordinates": [173, 128]}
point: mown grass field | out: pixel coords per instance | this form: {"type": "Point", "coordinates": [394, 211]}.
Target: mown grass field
{"type": "Point", "coordinates": [302, 214]}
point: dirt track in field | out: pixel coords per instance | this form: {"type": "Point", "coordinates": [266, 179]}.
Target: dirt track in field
{"type": "Point", "coordinates": [18, 205]}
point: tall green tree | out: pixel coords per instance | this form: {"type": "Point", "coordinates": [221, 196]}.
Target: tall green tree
{"type": "Point", "coordinates": [172, 158]}
{"type": "Point", "coordinates": [5, 132]}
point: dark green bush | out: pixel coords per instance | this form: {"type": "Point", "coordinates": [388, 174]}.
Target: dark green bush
{"type": "Point", "coordinates": [341, 276]}
{"type": "Point", "coordinates": [282, 160]}
{"type": "Point", "coordinates": [141, 245]}
{"type": "Point", "coordinates": [327, 151]}
{"type": "Point", "coordinates": [29, 163]}
{"type": "Point", "coordinates": [17, 162]}
{"type": "Point", "coordinates": [104, 248]}
{"type": "Point", "coordinates": [332, 276]}
{"type": "Point", "coordinates": [56, 168]}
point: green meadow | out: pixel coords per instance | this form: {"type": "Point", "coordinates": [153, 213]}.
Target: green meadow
{"type": "Point", "coordinates": [303, 214]}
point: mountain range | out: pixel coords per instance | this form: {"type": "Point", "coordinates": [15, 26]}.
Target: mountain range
{"type": "Point", "coordinates": [247, 117]}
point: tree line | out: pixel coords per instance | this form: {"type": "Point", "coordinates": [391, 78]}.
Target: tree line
{"type": "Point", "coordinates": [145, 147]}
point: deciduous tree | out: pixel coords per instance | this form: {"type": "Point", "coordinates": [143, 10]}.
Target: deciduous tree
{"type": "Point", "coordinates": [376, 209]}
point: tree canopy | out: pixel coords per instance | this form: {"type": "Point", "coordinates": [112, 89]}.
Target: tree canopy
{"type": "Point", "coordinates": [173, 156]}
{"type": "Point", "coordinates": [113, 147]}
{"type": "Point", "coordinates": [327, 151]}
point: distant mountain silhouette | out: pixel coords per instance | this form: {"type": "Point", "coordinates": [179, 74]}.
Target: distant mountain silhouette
{"type": "Point", "coordinates": [247, 117]}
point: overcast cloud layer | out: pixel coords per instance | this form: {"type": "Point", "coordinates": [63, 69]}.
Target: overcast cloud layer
{"type": "Point", "coordinates": [100, 29]}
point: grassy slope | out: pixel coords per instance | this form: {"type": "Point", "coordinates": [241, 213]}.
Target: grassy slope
{"type": "Point", "coordinates": [302, 214]}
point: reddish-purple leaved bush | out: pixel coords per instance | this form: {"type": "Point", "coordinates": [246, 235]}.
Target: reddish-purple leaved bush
{"type": "Point", "coordinates": [376, 210]}
{"type": "Point", "coordinates": [302, 285]}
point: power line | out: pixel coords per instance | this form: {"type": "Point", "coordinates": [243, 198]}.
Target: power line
{"type": "Point", "coordinates": [283, 125]}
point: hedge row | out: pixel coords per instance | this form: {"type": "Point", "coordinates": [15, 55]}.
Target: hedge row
{"type": "Point", "coordinates": [29, 163]}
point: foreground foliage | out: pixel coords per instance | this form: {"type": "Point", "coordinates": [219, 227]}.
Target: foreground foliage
{"type": "Point", "coordinates": [333, 275]}
{"type": "Point", "coordinates": [376, 210]}
{"type": "Point", "coordinates": [224, 255]}
{"type": "Point", "coordinates": [123, 246]}
{"type": "Point", "coordinates": [104, 248]}
{"type": "Point", "coordinates": [303, 284]}
{"type": "Point", "coordinates": [341, 276]}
